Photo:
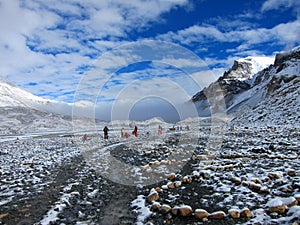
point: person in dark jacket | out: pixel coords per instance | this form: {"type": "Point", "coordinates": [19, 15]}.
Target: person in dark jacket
{"type": "Point", "coordinates": [135, 131]}
{"type": "Point", "coordinates": [105, 131]}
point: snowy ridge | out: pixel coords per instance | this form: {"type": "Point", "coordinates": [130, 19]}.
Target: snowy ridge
{"type": "Point", "coordinates": [257, 63]}
{"type": "Point", "coordinates": [274, 97]}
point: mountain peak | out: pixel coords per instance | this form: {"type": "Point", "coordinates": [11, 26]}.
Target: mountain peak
{"type": "Point", "coordinates": [245, 68]}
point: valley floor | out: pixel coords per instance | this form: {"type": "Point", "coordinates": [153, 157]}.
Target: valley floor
{"type": "Point", "coordinates": [54, 179]}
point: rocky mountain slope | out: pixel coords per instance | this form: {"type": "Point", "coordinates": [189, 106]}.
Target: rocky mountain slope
{"type": "Point", "coordinates": [250, 92]}
{"type": "Point", "coordinates": [22, 112]}
{"type": "Point", "coordinates": [279, 87]}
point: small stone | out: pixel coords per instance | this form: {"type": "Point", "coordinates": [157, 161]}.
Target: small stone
{"type": "Point", "coordinates": [155, 206]}
{"type": "Point", "coordinates": [246, 213]}
{"type": "Point", "coordinates": [185, 210]}
{"type": "Point", "coordinates": [275, 175]}
{"type": "Point", "coordinates": [171, 185]}
{"type": "Point", "coordinates": [153, 196]}
{"type": "Point", "coordinates": [177, 183]}
{"type": "Point", "coordinates": [175, 210]}
{"type": "Point", "coordinates": [291, 172]}
{"type": "Point", "coordinates": [256, 180]}
{"type": "Point", "coordinates": [165, 208]}
{"type": "Point", "coordinates": [254, 186]}
{"type": "Point", "coordinates": [277, 206]}
{"type": "Point", "coordinates": [217, 215]}
{"type": "Point", "coordinates": [201, 213]}
{"type": "Point", "coordinates": [186, 179]}
{"type": "Point", "coordinates": [164, 187]}
{"type": "Point", "coordinates": [4, 215]}
{"type": "Point", "coordinates": [235, 180]}
{"type": "Point", "coordinates": [158, 190]}
{"type": "Point", "coordinates": [172, 177]}
{"type": "Point", "coordinates": [205, 219]}
{"type": "Point", "coordinates": [289, 202]}
{"type": "Point", "coordinates": [264, 190]}
{"type": "Point", "coordinates": [297, 197]}
{"type": "Point", "coordinates": [234, 213]}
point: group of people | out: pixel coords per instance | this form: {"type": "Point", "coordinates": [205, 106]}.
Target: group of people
{"type": "Point", "coordinates": [123, 132]}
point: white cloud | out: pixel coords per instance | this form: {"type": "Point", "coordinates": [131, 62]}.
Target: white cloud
{"type": "Point", "coordinates": [279, 4]}
{"type": "Point", "coordinates": [46, 41]}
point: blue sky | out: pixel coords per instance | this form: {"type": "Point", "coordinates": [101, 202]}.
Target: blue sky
{"type": "Point", "coordinates": [48, 46]}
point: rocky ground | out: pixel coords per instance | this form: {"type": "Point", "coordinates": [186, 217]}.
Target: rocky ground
{"type": "Point", "coordinates": [253, 178]}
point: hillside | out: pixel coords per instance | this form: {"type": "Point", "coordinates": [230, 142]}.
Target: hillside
{"type": "Point", "coordinates": [247, 90]}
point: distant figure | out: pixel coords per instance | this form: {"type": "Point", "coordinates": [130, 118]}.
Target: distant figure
{"type": "Point", "coordinates": [84, 138]}
{"type": "Point", "coordinates": [127, 135]}
{"type": "Point", "coordinates": [159, 130]}
{"type": "Point", "coordinates": [105, 131]}
{"type": "Point", "coordinates": [122, 132]}
{"type": "Point", "coordinates": [135, 131]}
{"type": "Point", "coordinates": [187, 127]}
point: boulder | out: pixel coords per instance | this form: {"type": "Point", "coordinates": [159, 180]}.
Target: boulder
{"type": "Point", "coordinates": [277, 206]}
{"type": "Point", "coordinates": [234, 213]}
{"type": "Point", "coordinates": [153, 196]}
{"type": "Point", "coordinates": [165, 208]}
{"type": "Point", "coordinates": [185, 210]}
{"type": "Point", "coordinates": [4, 215]}
{"type": "Point", "coordinates": [175, 210]}
{"type": "Point", "coordinates": [246, 213]}
{"type": "Point", "coordinates": [275, 175]}
{"type": "Point", "coordinates": [289, 202]}
{"type": "Point", "coordinates": [217, 215]}
{"type": "Point", "coordinates": [201, 213]}
{"type": "Point", "coordinates": [171, 185]}
{"type": "Point", "coordinates": [177, 183]}
{"type": "Point", "coordinates": [254, 186]}
{"type": "Point", "coordinates": [155, 206]}
{"type": "Point", "coordinates": [297, 197]}
{"type": "Point", "coordinates": [172, 177]}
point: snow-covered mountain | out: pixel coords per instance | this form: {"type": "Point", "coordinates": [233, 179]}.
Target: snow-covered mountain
{"type": "Point", "coordinates": [249, 84]}
{"type": "Point", "coordinates": [278, 89]}
{"type": "Point", "coordinates": [22, 112]}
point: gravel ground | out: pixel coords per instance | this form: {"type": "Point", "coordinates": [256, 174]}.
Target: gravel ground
{"type": "Point", "coordinates": [61, 188]}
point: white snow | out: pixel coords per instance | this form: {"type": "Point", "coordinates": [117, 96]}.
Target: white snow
{"type": "Point", "coordinates": [141, 209]}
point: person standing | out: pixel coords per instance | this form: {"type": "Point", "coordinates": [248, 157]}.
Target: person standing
{"type": "Point", "coordinates": [135, 131]}
{"type": "Point", "coordinates": [122, 132]}
{"type": "Point", "coordinates": [105, 131]}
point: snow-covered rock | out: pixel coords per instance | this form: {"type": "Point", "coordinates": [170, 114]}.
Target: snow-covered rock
{"type": "Point", "coordinates": [201, 213]}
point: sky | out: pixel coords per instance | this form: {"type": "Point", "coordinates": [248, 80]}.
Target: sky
{"type": "Point", "coordinates": [63, 50]}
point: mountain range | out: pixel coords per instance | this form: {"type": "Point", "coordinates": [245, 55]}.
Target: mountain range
{"type": "Point", "coordinates": [256, 90]}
